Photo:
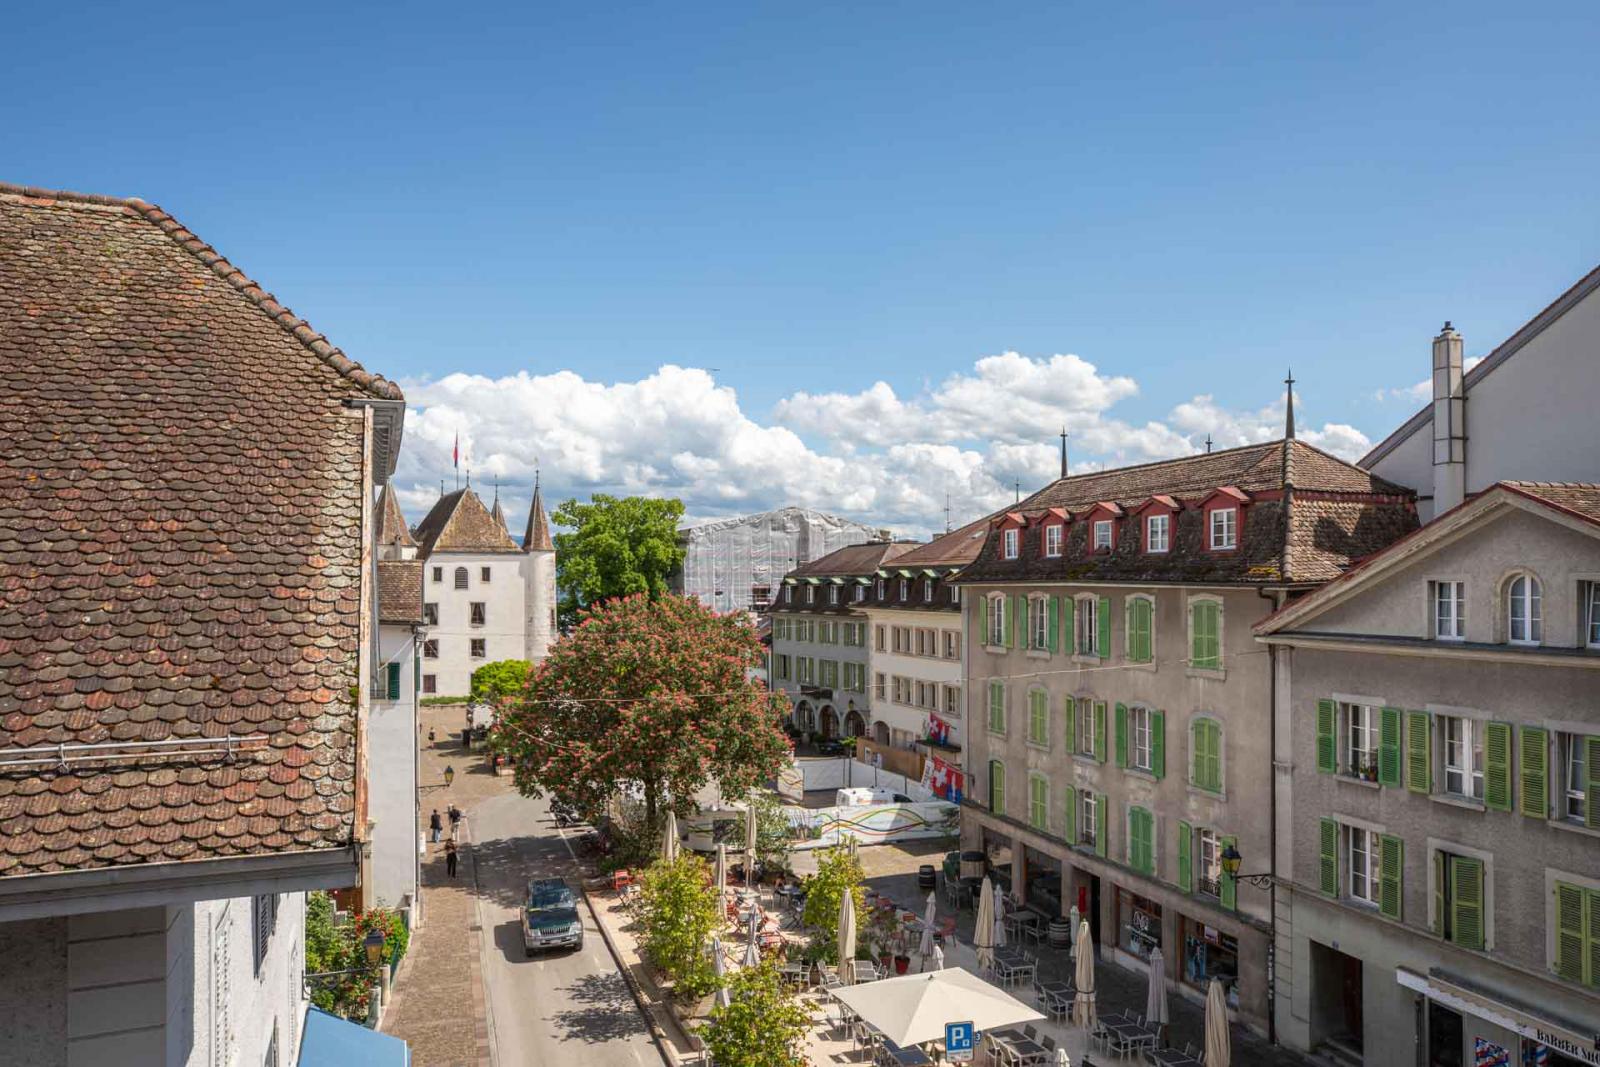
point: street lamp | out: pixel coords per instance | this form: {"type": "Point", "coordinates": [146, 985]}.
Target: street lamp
{"type": "Point", "coordinates": [1231, 861]}
{"type": "Point", "coordinates": [373, 943]}
{"type": "Point", "coordinates": [449, 775]}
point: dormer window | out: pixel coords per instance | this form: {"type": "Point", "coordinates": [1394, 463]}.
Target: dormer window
{"type": "Point", "coordinates": [905, 589]}
{"type": "Point", "coordinates": [1224, 529]}
{"type": "Point", "coordinates": [927, 591]}
{"type": "Point", "coordinates": [880, 588]}
{"type": "Point", "coordinates": [833, 594]}
{"type": "Point", "coordinates": [861, 593]}
{"type": "Point", "coordinates": [1052, 540]}
{"type": "Point", "coordinates": [1009, 542]}
{"type": "Point", "coordinates": [1525, 613]}
{"type": "Point", "coordinates": [1156, 533]}
{"type": "Point", "coordinates": [1102, 535]}
{"type": "Point", "coordinates": [811, 594]}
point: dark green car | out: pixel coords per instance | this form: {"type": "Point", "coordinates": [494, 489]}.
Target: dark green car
{"type": "Point", "coordinates": [550, 917]}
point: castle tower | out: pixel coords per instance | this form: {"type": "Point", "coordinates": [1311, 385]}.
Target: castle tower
{"type": "Point", "coordinates": [539, 576]}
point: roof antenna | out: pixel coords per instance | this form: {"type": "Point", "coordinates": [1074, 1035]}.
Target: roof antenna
{"type": "Point", "coordinates": [1208, 443]}
{"type": "Point", "coordinates": [1018, 487]}
{"type": "Point", "coordinates": [1064, 436]}
{"type": "Point", "coordinates": [1288, 425]}
{"type": "Point", "coordinates": [947, 511]}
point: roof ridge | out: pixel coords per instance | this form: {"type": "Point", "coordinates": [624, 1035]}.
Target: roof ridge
{"type": "Point", "coordinates": [186, 239]}
{"type": "Point", "coordinates": [1141, 466]}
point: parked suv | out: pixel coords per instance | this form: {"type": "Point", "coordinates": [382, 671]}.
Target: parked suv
{"type": "Point", "coordinates": [550, 917]}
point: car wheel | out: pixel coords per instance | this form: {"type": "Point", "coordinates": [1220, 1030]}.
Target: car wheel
{"type": "Point", "coordinates": [529, 951]}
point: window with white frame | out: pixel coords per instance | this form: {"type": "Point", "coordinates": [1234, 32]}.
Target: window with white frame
{"type": "Point", "coordinates": [905, 589]}
{"type": "Point", "coordinates": [1088, 817]}
{"type": "Point", "coordinates": [1224, 528]}
{"type": "Point", "coordinates": [1156, 529]}
{"type": "Point", "coordinates": [861, 593]}
{"type": "Point", "coordinates": [1449, 610]}
{"type": "Point", "coordinates": [1524, 612]}
{"type": "Point", "coordinates": [1052, 539]}
{"type": "Point", "coordinates": [952, 644]}
{"type": "Point", "coordinates": [997, 620]}
{"type": "Point", "coordinates": [1009, 543]}
{"type": "Point", "coordinates": [1083, 731]}
{"type": "Point", "coordinates": [1361, 740]}
{"type": "Point", "coordinates": [1088, 612]}
{"type": "Point", "coordinates": [955, 594]}
{"type": "Point", "coordinates": [880, 588]}
{"type": "Point", "coordinates": [833, 594]}
{"type": "Point", "coordinates": [1208, 865]}
{"type": "Point", "coordinates": [927, 591]}
{"type": "Point", "coordinates": [811, 594]}
{"type": "Point", "coordinates": [1102, 534]}
{"type": "Point", "coordinates": [478, 613]}
{"type": "Point", "coordinates": [1361, 856]}
{"type": "Point", "coordinates": [952, 700]}
{"type": "Point", "coordinates": [1575, 776]}
{"type": "Point", "coordinates": [1139, 738]}
{"type": "Point", "coordinates": [1038, 622]}
{"type": "Point", "coordinates": [1463, 756]}
{"type": "Point", "coordinates": [1589, 597]}
{"type": "Point", "coordinates": [480, 648]}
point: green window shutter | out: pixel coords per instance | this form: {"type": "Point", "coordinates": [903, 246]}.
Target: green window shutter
{"type": "Point", "coordinates": [1466, 902]}
{"type": "Point", "coordinates": [983, 621]}
{"type": "Point", "coordinates": [1136, 839]}
{"type": "Point", "coordinates": [1497, 766]}
{"type": "Point", "coordinates": [1591, 934]}
{"type": "Point", "coordinates": [1003, 638]}
{"type": "Point", "coordinates": [1197, 752]}
{"type": "Point", "coordinates": [1389, 746]}
{"type": "Point", "coordinates": [1071, 813]}
{"type": "Point", "coordinates": [1391, 875]}
{"type": "Point", "coordinates": [1037, 803]}
{"type": "Point", "coordinates": [1019, 608]}
{"type": "Point", "coordinates": [1439, 923]}
{"type": "Point", "coordinates": [1327, 750]}
{"type": "Point", "coordinates": [1140, 625]}
{"type": "Point", "coordinates": [1100, 842]}
{"type": "Point", "coordinates": [997, 787]}
{"type": "Point", "coordinates": [1122, 735]}
{"type": "Point", "coordinates": [1103, 628]}
{"type": "Point", "coordinates": [1185, 863]}
{"type": "Point", "coordinates": [1591, 789]}
{"type": "Point", "coordinates": [1206, 743]}
{"type": "Point", "coordinates": [997, 707]}
{"type": "Point", "coordinates": [1419, 752]}
{"type": "Point", "coordinates": [1100, 730]}
{"type": "Point", "coordinates": [1229, 886]}
{"type": "Point", "coordinates": [1053, 606]}
{"type": "Point", "coordinates": [1572, 961]}
{"type": "Point", "coordinates": [1069, 731]}
{"type": "Point", "coordinates": [393, 672]}
{"type": "Point", "coordinates": [1329, 880]}
{"type": "Point", "coordinates": [1158, 744]}
{"type": "Point", "coordinates": [1069, 626]}
{"type": "Point", "coordinates": [1038, 717]}
{"type": "Point", "coordinates": [1533, 753]}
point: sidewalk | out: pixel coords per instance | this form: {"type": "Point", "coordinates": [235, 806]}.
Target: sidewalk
{"type": "Point", "coordinates": [437, 1003]}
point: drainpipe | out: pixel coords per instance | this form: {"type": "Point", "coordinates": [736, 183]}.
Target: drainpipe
{"type": "Point", "coordinates": [1272, 828]}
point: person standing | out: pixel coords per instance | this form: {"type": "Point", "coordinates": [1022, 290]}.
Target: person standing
{"type": "Point", "coordinates": [435, 826]}
{"type": "Point", "coordinates": [455, 821]}
{"type": "Point", "coordinates": [450, 858]}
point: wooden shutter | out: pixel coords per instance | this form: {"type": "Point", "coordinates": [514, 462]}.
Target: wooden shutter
{"type": "Point", "coordinates": [1572, 960]}
{"type": "Point", "coordinates": [1138, 838]}
{"type": "Point", "coordinates": [983, 621]}
{"type": "Point", "coordinates": [1419, 752]}
{"type": "Point", "coordinates": [1229, 885]}
{"type": "Point", "coordinates": [1038, 802]}
{"type": "Point", "coordinates": [1122, 735]}
{"type": "Point", "coordinates": [1466, 902]}
{"type": "Point", "coordinates": [1019, 635]}
{"type": "Point", "coordinates": [1440, 873]}
{"type": "Point", "coordinates": [1391, 875]}
{"type": "Point", "coordinates": [1327, 749]}
{"type": "Point", "coordinates": [997, 707]}
{"type": "Point", "coordinates": [997, 787]}
{"type": "Point", "coordinates": [1103, 628]}
{"type": "Point", "coordinates": [1185, 861]}
{"type": "Point", "coordinates": [1158, 744]}
{"type": "Point", "coordinates": [1591, 788]}
{"type": "Point", "coordinates": [1072, 816]}
{"type": "Point", "coordinates": [1100, 842]}
{"type": "Point", "coordinates": [1069, 731]}
{"type": "Point", "coordinates": [1389, 746]}
{"type": "Point", "coordinates": [1329, 881]}
{"type": "Point", "coordinates": [1069, 625]}
{"type": "Point", "coordinates": [393, 671]}
{"type": "Point", "coordinates": [1533, 752]}
{"type": "Point", "coordinates": [1004, 639]}
{"type": "Point", "coordinates": [1100, 730]}
{"type": "Point", "coordinates": [1591, 936]}
{"type": "Point", "coordinates": [1497, 766]}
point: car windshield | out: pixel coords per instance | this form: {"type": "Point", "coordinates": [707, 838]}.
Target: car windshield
{"type": "Point", "coordinates": [551, 918]}
{"type": "Point", "coordinates": [549, 895]}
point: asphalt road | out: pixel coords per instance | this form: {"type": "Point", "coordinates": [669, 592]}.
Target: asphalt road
{"type": "Point", "coordinates": [561, 1007]}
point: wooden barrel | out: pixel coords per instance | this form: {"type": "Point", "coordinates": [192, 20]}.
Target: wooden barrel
{"type": "Point", "coordinates": [1060, 932]}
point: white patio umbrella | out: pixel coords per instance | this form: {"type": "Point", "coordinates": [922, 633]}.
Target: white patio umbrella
{"type": "Point", "coordinates": [669, 838]}
{"type": "Point", "coordinates": [1219, 1045]}
{"type": "Point", "coordinates": [999, 923]}
{"type": "Point", "coordinates": [1083, 1010]}
{"type": "Point", "coordinates": [750, 843]}
{"type": "Point", "coordinates": [752, 947]}
{"type": "Point", "coordinates": [721, 872]}
{"type": "Point", "coordinates": [1072, 921]}
{"type": "Point", "coordinates": [914, 1008]}
{"type": "Point", "coordinates": [983, 926]}
{"type": "Point", "coordinates": [926, 948]}
{"type": "Point", "coordinates": [1155, 998]}
{"type": "Point", "coordinates": [719, 966]}
{"type": "Point", "coordinates": [847, 935]}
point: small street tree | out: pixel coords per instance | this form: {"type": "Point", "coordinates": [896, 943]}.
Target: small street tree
{"type": "Point", "coordinates": [764, 1024]}
{"type": "Point", "coordinates": [645, 693]}
{"type": "Point", "coordinates": [678, 910]}
{"type": "Point", "coordinates": [616, 546]}
{"type": "Point", "coordinates": [502, 678]}
{"type": "Point", "coordinates": [838, 872]}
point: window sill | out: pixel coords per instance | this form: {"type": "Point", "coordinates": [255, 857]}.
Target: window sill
{"type": "Point", "coordinates": [996, 733]}
{"type": "Point", "coordinates": [1135, 665]}
{"type": "Point", "coordinates": [1140, 772]}
{"type": "Point", "coordinates": [1219, 674]}
{"type": "Point", "coordinates": [1348, 780]}
{"type": "Point", "coordinates": [1037, 653]}
{"type": "Point", "coordinates": [1453, 801]}
{"type": "Point", "coordinates": [1038, 746]}
{"type": "Point", "coordinates": [1086, 759]}
{"type": "Point", "coordinates": [996, 650]}
{"type": "Point", "coordinates": [1219, 795]}
{"type": "Point", "coordinates": [1572, 827]}
{"type": "Point", "coordinates": [1088, 659]}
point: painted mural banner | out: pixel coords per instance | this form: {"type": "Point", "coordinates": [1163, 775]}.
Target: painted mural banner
{"type": "Point", "coordinates": [873, 824]}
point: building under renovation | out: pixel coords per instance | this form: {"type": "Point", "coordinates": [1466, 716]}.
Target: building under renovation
{"type": "Point", "coordinates": [735, 564]}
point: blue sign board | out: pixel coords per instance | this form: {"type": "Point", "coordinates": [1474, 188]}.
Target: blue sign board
{"type": "Point", "coordinates": [958, 1041]}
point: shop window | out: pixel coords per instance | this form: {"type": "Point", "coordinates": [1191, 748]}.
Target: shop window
{"type": "Point", "coordinates": [1138, 924]}
{"type": "Point", "coordinates": [1209, 953]}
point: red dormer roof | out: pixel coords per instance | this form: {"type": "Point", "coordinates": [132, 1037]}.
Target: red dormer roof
{"type": "Point", "coordinates": [1237, 495]}
{"type": "Point", "coordinates": [1161, 501]}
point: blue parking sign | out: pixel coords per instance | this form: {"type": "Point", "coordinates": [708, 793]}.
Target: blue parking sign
{"type": "Point", "coordinates": [958, 1041]}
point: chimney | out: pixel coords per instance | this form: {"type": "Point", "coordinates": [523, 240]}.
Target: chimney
{"type": "Point", "coordinates": [1449, 423]}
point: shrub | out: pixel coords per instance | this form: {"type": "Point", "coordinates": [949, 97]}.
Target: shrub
{"type": "Point", "coordinates": [678, 912]}
{"type": "Point", "coordinates": [331, 947]}
{"type": "Point", "coordinates": [764, 1024]}
{"type": "Point", "coordinates": [838, 872]}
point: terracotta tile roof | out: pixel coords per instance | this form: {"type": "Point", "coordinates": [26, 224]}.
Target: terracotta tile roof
{"type": "Point", "coordinates": [1339, 514]}
{"type": "Point", "coordinates": [391, 523]}
{"type": "Point", "coordinates": [458, 522]}
{"type": "Point", "coordinates": [537, 536]}
{"type": "Point", "coordinates": [498, 514]}
{"type": "Point", "coordinates": [1578, 498]}
{"type": "Point", "coordinates": [951, 549]}
{"type": "Point", "coordinates": [181, 493]}
{"type": "Point", "coordinates": [400, 591]}
{"type": "Point", "coordinates": [854, 559]}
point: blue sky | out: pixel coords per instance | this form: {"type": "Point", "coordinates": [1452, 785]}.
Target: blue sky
{"type": "Point", "coordinates": [811, 199]}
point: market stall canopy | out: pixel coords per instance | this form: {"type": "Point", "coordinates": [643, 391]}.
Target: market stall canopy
{"type": "Point", "coordinates": [915, 1008]}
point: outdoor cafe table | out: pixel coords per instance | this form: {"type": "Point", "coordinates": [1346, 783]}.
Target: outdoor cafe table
{"type": "Point", "coordinates": [910, 1056]}
{"type": "Point", "coordinates": [1130, 1034]}
{"type": "Point", "coordinates": [1012, 966]}
{"type": "Point", "coordinates": [1171, 1057]}
{"type": "Point", "coordinates": [1023, 1049]}
{"type": "Point", "coordinates": [1058, 996]}
{"type": "Point", "coordinates": [1026, 921]}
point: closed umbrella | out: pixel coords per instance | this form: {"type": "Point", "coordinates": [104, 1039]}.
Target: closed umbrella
{"type": "Point", "coordinates": [1083, 1010]}
{"type": "Point", "coordinates": [1072, 920]}
{"type": "Point", "coordinates": [999, 920]}
{"type": "Point", "coordinates": [926, 948]}
{"type": "Point", "coordinates": [847, 935]}
{"type": "Point", "coordinates": [669, 838]}
{"type": "Point", "coordinates": [752, 947]}
{"type": "Point", "coordinates": [719, 967]}
{"type": "Point", "coordinates": [983, 926]}
{"type": "Point", "coordinates": [721, 872]}
{"type": "Point", "coordinates": [1155, 999]}
{"type": "Point", "coordinates": [1219, 1045]}
{"type": "Point", "coordinates": [750, 843]}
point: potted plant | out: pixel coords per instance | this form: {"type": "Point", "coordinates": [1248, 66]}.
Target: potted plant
{"type": "Point", "coordinates": [1369, 771]}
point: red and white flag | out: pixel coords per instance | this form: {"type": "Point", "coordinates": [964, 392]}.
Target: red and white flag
{"type": "Point", "coordinates": [455, 452]}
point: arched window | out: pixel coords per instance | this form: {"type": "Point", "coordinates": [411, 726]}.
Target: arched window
{"type": "Point", "coordinates": [1524, 615]}
{"type": "Point", "coordinates": [461, 577]}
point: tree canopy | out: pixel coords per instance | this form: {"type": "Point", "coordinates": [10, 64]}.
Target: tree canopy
{"type": "Point", "coordinates": [650, 692]}
{"type": "Point", "coordinates": [502, 678]}
{"type": "Point", "coordinates": [763, 1025]}
{"type": "Point", "coordinates": [616, 546]}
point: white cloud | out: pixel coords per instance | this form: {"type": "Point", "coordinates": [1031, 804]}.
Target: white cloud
{"type": "Point", "coordinates": [1422, 392]}
{"type": "Point", "coordinates": [880, 457]}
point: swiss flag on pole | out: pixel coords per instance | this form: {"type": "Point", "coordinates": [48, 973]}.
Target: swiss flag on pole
{"type": "Point", "coordinates": [455, 452]}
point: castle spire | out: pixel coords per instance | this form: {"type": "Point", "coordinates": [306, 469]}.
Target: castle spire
{"type": "Point", "coordinates": [537, 538]}
{"type": "Point", "coordinates": [497, 512]}
{"type": "Point", "coordinates": [1288, 422]}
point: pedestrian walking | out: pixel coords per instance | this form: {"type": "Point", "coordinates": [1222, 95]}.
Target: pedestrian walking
{"type": "Point", "coordinates": [455, 821]}
{"type": "Point", "coordinates": [450, 858]}
{"type": "Point", "coordinates": [435, 826]}
{"type": "Point", "coordinates": [432, 737]}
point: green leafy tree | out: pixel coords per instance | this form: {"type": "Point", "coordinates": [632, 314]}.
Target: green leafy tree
{"type": "Point", "coordinates": [773, 833]}
{"type": "Point", "coordinates": [678, 911]}
{"type": "Point", "coordinates": [617, 546]}
{"type": "Point", "coordinates": [332, 948]}
{"type": "Point", "coordinates": [502, 678]}
{"type": "Point", "coordinates": [838, 872]}
{"type": "Point", "coordinates": [764, 1024]}
{"type": "Point", "coordinates": [652, 693]}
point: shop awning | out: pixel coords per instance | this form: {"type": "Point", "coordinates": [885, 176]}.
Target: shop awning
{"type": "Point", "coordinates": [329, 1041]}
{"type": "Point", "coordinates": [1504, 1009]}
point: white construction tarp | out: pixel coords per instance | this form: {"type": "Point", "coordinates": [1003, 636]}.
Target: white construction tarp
{"type": "Point", "coordinates": [724, 560]}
